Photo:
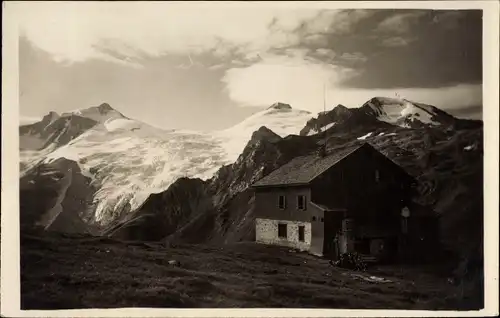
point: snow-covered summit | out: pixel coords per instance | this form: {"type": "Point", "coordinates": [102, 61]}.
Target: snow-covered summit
{"type": "Point", "coordinates": [280, 118]}
{"type": "Point", "coordinates": [50, 118]}
{"type": "Point", "coordinates": [405, 113]}
{"type": "Point", "coordinates": [100, 113]}
{"type": "Point", "coordinates": [279, 105]}
{"type": "Point", "coordinates": [128, 160]}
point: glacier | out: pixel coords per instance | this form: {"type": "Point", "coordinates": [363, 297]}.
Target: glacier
{"type": "Point", "coordinates": [127, 160]}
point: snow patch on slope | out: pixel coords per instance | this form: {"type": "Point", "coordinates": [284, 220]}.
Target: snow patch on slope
{"type": "Point", "coordinates": [401, 111]}
{"type": "Point", "coordinates": [413, 112]}
{"type": "Point", "coordinates": [365, 136]}
{"type": "Point", "coordinates": [128, 160]}
{"type": "Point", "coordinates": [316, 131]}
{"type": "Point", "coordinates": [470, 147]}
{"type": "Point", "coordinates": [129, 167]}
{"type": "Point", "coordinates": [121, 124]}
{"type": "Point", "coordinates": [281, 120]}
{"type": "Point", "coordinates": [100, 113]}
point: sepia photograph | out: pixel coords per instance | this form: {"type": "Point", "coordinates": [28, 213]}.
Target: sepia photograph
{"type": "Point", "coordinates": [198, 155]}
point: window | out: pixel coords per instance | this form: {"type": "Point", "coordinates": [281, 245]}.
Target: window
{"type": "Point", "coordinates": [377, 175]}
{"type": "Point", "coordinates": [314, 218]}
{"type": "Point", "coordinates": [282, 230]}
{"type": "Point", "coordinates": [301, 233]}
{"type": "Point", "coordinates": [322, 220]}
{"type": "Point", "coordinates": [301, 202]}
{"type": "Point", "coordinates": [282, 202]}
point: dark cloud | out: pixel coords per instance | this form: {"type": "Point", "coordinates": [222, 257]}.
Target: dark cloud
{"type": "Point", "coordinates": [381, 49]}
{"type": "Point", "coordinates": [408, 48]}
{"type": "Point", "coordinates": [471, 112]}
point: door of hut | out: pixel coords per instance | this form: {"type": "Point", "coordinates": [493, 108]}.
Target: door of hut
{"type": "Point", "coordinates": [332, 225]}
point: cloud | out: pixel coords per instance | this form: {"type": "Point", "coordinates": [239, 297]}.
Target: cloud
{"type": "Point", "coordinates": [400, 23]}
{"type": "Point", "coordinates": [300, 83]}
{"type": "Point", "coordinates": [325, 52]}
{"type": "Point", "coordinates": [397, 41]}
{"type": "Point", "coordinates": [261, 55]}
{"type": "Point", "coordinates": [129, 32]}
{"type": "Point", "coordinates": [429, 53]}
{"type": "Point", "coordinates": [449, 19]}
{"type": "Point", "coordinates": [345, 20]}
{"type": "Point", "coordinates": [76, 32]}
{"type": "Point", "coordinates": [286, 79]}
{"type": "Point", "coordinates": [354, 57]}
{"type": "Point", "coordinates": [469, 111]}
{"type": "Point", "coordinates": [217, 66]}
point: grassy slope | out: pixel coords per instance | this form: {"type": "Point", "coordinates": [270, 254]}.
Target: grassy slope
{"type": "Point", "coordinates": [66, 272]}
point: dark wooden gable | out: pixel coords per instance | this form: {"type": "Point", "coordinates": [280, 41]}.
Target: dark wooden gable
{"type": "Point", "coordinates": [364, 178]}
{"type": "Point", "coordinates": [302, 170]}
{"type": "Point", "coordinates": [305, 169]}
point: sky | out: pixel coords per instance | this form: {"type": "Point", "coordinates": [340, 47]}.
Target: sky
{"type": "Point", "coordinates": [202, 67]}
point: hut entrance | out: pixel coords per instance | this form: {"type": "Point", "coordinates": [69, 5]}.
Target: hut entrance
{"type": "Point", "coordinates": [332, 230]}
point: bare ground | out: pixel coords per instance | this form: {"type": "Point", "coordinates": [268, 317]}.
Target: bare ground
{"type": "Point", "coordinates": [63, 272]}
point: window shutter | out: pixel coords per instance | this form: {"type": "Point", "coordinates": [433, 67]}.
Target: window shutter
{"type": "Point", "coordinates": [282, 202]}
{"type": "Point", "coordinates": [301, 202]}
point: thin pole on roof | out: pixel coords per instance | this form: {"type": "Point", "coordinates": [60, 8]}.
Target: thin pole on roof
{"type": "Point", "coordinates": [324, 97]}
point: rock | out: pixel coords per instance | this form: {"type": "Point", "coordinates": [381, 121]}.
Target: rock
{"type": "Point", "coordinates": [173, 262]}
{"type": "Point", "coordinates": [279, 105]}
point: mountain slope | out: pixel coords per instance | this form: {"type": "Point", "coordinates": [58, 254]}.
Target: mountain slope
{"type": "Point", "coordinates": [128, 160]}
{"type": "Point", "coordinates": [138, 171]}
{"type": "Point", "coordinates": [99, 113]}
{"type": "Point", "coordinates": [383, 112]}
{"type": "Point", "coordinates": [53, 131]}
{"type": "Point", "coordinates": [209, 217]}
{"type": "Point", "coordinates": [127, 163]}
{"type": "Point", "coordinates": [342, 118]}
{"type": "Point", "coordinates": [281, 118]}
{"type": "Point", "coordinates": [60, 198]}
{"type": "Point", "coordinates": [409, 114]}
{"type": "Point", "coordinates": [447, 163]}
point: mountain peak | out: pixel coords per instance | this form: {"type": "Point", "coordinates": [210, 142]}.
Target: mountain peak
{"type": "Point", "coordinates": [406, 113]}
{"type": "Point", "coordinates": [279, 105]}
{"type": "Point", "coordinates": [340, 109]}
{"type": "Point", "coordinates": [50, 118]}
{"type": "Point", "coordinates": [52, 115]}
{"type": "Point", "coordinates": [99, 113]}
{"type": "Point", "coordinates": [264, 133]}
{"type": "Point", "coordinates": [104, 107]}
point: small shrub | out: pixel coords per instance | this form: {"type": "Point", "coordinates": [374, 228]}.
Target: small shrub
{"type": "Point", "coordinates": [351, 261]}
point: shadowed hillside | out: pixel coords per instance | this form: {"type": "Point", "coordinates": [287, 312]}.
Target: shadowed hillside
{"type": "Point", "coordinates": [447, 164]}
{"type": "Point", "coordinates": [67, 272]}
{"type": "Point", "coordinates": [447, 161]}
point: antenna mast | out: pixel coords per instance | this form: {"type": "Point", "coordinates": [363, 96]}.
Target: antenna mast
{"type": "Point", "coordinates": [324, 114]}
{"type": "Point", "coordinates": [322, 148]}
